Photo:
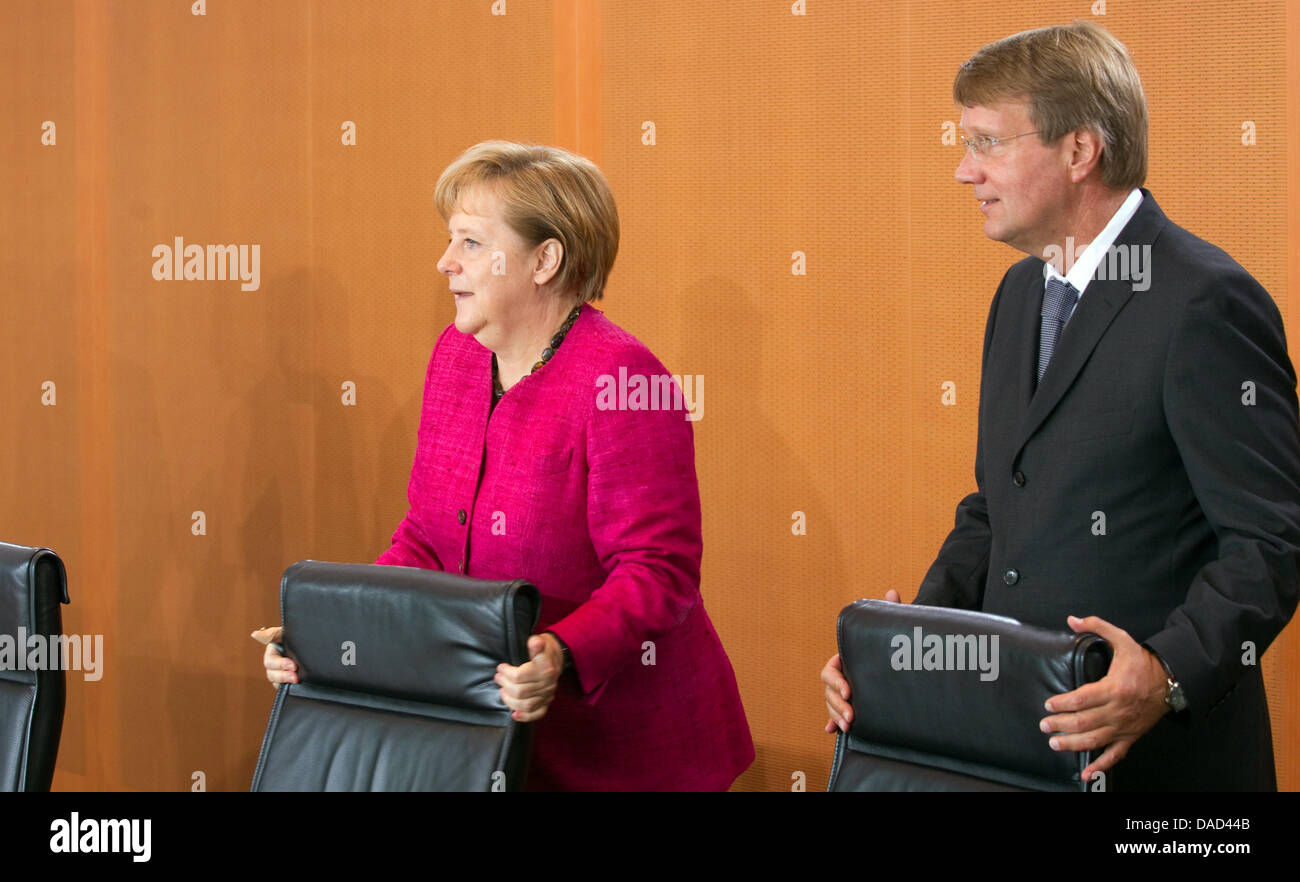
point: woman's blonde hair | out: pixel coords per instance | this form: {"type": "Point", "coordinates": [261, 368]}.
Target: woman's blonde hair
{"type": "Point", "coordinates": [547, 193]}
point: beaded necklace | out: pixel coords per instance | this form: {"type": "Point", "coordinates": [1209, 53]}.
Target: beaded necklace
{"type": "Point", "coordinates": [547, 353]}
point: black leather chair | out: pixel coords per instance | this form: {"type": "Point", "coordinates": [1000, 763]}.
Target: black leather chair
{"type": "Point", "coordinates": [33, 583]}
{"type": "Point", "coordinates": [396, 687]}
{"type": "Point", "coordinates": [947, 699]}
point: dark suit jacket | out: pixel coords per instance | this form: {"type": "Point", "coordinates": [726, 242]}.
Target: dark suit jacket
{"type": "Point", "coordinates": [1137, 483]}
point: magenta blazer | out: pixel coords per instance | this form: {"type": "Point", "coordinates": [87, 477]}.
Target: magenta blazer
{"type": "Point", "coordinates": [599, 508]}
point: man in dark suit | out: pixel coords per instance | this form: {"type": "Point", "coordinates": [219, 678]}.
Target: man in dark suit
{"type": "Point", "coordinates": [1138, 459]}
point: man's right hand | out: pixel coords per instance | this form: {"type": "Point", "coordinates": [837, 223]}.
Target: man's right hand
{"type": "Point", "coordinates": [837, 688]}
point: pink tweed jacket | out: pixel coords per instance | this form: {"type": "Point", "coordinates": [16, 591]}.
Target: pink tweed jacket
{"type": "Point", "coordinates": [599, 508]}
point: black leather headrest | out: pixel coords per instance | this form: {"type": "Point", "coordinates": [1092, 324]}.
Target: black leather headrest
{"type": "Point", "coordinates": [961, 690]}
{"type": "Point", "coordinates": [33, 585]}
{"type": "Point", "coordinates": [404, 632]}
{"type": "Point", "coordinates": [24, 570]}
{"type": "Point", "coordinates": [33, 582]}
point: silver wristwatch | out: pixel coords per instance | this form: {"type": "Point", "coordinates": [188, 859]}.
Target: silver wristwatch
{"type": "Point", "coordinates": [1174, 697]}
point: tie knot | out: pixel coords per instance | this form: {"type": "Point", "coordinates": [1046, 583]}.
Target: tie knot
{"type": "Point", "coordinates": [1058, 299]}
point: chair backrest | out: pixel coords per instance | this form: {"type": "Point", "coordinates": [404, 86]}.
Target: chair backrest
{"type": "Point", "coordinates": [947, 699]}
{"type": "Point", "coordinates": [33, 583]}
{"type": "Point", "coordinates": [396, 688]}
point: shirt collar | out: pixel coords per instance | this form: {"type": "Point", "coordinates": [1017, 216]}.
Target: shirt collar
{"type": "Point", "coordinates": [1086, 262]}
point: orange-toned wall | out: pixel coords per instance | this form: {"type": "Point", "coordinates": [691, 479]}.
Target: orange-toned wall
{"type": "Point", "coordinates": [774, 133]}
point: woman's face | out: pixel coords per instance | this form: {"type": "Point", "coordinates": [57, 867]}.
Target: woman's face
{"type": "Point", "coordinates": [493, 273]}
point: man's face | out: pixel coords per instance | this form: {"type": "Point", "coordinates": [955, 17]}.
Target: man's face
{"type": "Point", "coordinates": [1022, 185]}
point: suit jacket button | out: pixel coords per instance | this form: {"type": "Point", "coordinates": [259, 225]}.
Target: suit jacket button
{"type": "Point", "coordinates": [460, 516]}
{"type": "Point", "coordinates": [1011, 577]}
{"type": "Point", "coordinates": [1018, 479]}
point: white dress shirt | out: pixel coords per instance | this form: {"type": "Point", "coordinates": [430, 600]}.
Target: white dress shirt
{"type": "Point", "coordinates": [1086, 263]}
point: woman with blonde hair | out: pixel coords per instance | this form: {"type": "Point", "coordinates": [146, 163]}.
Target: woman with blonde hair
{"type": "Point", "coordinates": [523, 471]}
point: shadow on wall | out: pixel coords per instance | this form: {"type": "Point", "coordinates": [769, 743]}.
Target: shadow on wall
{"type": "Point", "coordinates": [292, 466]}
{"type": "Point", "coordinates": [771, 593]}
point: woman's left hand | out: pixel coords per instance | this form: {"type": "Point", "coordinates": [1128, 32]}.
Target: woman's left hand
{"type": "Point", "coordinates": [529, 688]}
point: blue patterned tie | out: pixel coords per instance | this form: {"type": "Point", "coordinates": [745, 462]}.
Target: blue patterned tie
{"type": "Point", "coordinates": [1059, 297]}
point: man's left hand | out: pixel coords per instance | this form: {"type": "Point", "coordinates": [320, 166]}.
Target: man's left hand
{"type": "Point", "coordinates": [1115, 710]}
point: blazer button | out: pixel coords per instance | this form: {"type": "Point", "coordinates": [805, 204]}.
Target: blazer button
{"type": "Point", "coordinates": [1011, 577]}
{"type": "Point", "coordinates": [1018, 479]}
{"type": "Point", "coordinates": [460, 516]}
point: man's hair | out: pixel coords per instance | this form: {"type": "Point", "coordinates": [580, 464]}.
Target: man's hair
{"type": "Point", "coordinates": [546, 193]}
{"type": "Point", "coordinates": [1074, 77]}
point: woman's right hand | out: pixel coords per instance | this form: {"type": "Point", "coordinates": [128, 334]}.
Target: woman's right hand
{"type": "Point", "coordinates": [278, 668]}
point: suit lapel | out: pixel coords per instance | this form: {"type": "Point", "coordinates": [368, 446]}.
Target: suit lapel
{"type": "Point", "coordinates": [1027, 328]}
{"type": "Point", "coordinates": [1100, 303]}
